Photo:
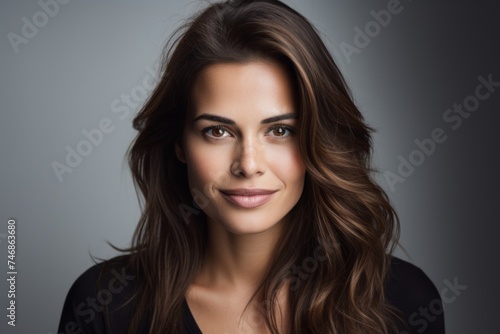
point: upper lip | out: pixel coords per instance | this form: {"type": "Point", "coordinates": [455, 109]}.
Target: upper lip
{"type": "Point", "coordinates": [247, 191]}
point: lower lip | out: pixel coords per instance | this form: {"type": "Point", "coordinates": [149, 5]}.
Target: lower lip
{"type": "Point", "coordinates": [248, 201]}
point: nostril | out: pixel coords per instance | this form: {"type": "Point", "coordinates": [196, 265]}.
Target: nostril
{"type": "Point", "coordinates": [246, 164]}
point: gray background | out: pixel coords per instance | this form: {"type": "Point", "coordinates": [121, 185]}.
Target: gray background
{"type": "Point", "coordinates": [75, 70]}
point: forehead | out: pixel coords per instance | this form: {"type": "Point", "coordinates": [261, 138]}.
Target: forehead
{"type": "Point", "coordinates": [257, 88]}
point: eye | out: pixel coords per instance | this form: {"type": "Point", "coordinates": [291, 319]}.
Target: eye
{"type": "Point", "coordinates": [216, 131]}
{"type": "Point", "coordinates": [281, 130]}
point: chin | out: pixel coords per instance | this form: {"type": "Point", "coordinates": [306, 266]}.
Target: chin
{"type": "Point", "coordinates": [250, 225]}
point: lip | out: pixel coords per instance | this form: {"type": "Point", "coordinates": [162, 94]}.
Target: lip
{"type": "Point", "coordinates": [248, 197]}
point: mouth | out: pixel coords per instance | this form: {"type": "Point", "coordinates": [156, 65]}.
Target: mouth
{"type": "Point", "coordinates": [248, 198]}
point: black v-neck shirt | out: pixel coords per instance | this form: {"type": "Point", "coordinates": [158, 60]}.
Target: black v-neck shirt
{"type": "Point", "coordinates": [408, 288]}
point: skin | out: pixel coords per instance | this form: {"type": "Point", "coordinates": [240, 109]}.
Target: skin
{"type": "Point", "coordinates": [253, 152]}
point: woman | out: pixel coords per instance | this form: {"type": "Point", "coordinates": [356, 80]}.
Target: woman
{"type": "Point", "coordinates": [260, 213]}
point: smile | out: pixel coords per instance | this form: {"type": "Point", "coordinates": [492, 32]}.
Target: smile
{"type": "Point", "coordinates": [248, 198]}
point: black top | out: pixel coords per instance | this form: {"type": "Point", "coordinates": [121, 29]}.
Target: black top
{"type": "Point", "coordinates": [408, 288]}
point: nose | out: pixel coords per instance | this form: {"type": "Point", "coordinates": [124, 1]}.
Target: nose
{"type": "Point", "coordinates": [249, 159]}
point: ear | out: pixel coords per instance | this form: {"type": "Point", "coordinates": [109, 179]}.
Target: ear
{"type": "Point", "coordinates": [179, 152]}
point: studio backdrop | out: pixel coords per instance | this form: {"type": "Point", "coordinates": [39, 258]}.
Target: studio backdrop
{"type": "Point", "coordinates": [425, 74]}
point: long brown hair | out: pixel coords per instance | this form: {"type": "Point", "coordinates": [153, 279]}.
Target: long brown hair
{"type": "Point", "coordinates": [342, 213]}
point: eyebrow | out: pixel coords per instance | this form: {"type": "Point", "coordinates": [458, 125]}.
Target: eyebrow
{"type": "Point", "coordinates": [228, 121]}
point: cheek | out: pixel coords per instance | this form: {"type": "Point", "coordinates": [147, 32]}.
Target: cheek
{"type": "Point", "coordinates": [205, 167]}
{"type": "Point", "coordinates": [288, 165]}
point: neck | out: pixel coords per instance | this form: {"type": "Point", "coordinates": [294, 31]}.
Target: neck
{"type": "Point", "coordinates": [238, 261]}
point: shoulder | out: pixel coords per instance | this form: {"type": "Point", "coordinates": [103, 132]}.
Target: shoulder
{"type": "Point", "coordinates": [113, 275]}
{"type": "Point", "coordinates": [100, 290]}
{"type": "Point", "coordinates": [412, 292]}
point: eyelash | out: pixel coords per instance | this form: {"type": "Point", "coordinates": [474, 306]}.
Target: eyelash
{"type": "Point", "coordinates": [288, 128]}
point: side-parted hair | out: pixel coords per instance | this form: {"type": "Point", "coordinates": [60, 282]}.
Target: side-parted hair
{"type": "Point", "coordinates": [342, 213]}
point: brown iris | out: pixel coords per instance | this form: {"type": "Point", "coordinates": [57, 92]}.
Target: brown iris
{"type": "Point", "coordinates": [216, 132]}
{"type": "Point", "coordinates": [279, 132]}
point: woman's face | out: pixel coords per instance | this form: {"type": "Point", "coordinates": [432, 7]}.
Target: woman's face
{"type": "Point", "coordinates": [241, 147]}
